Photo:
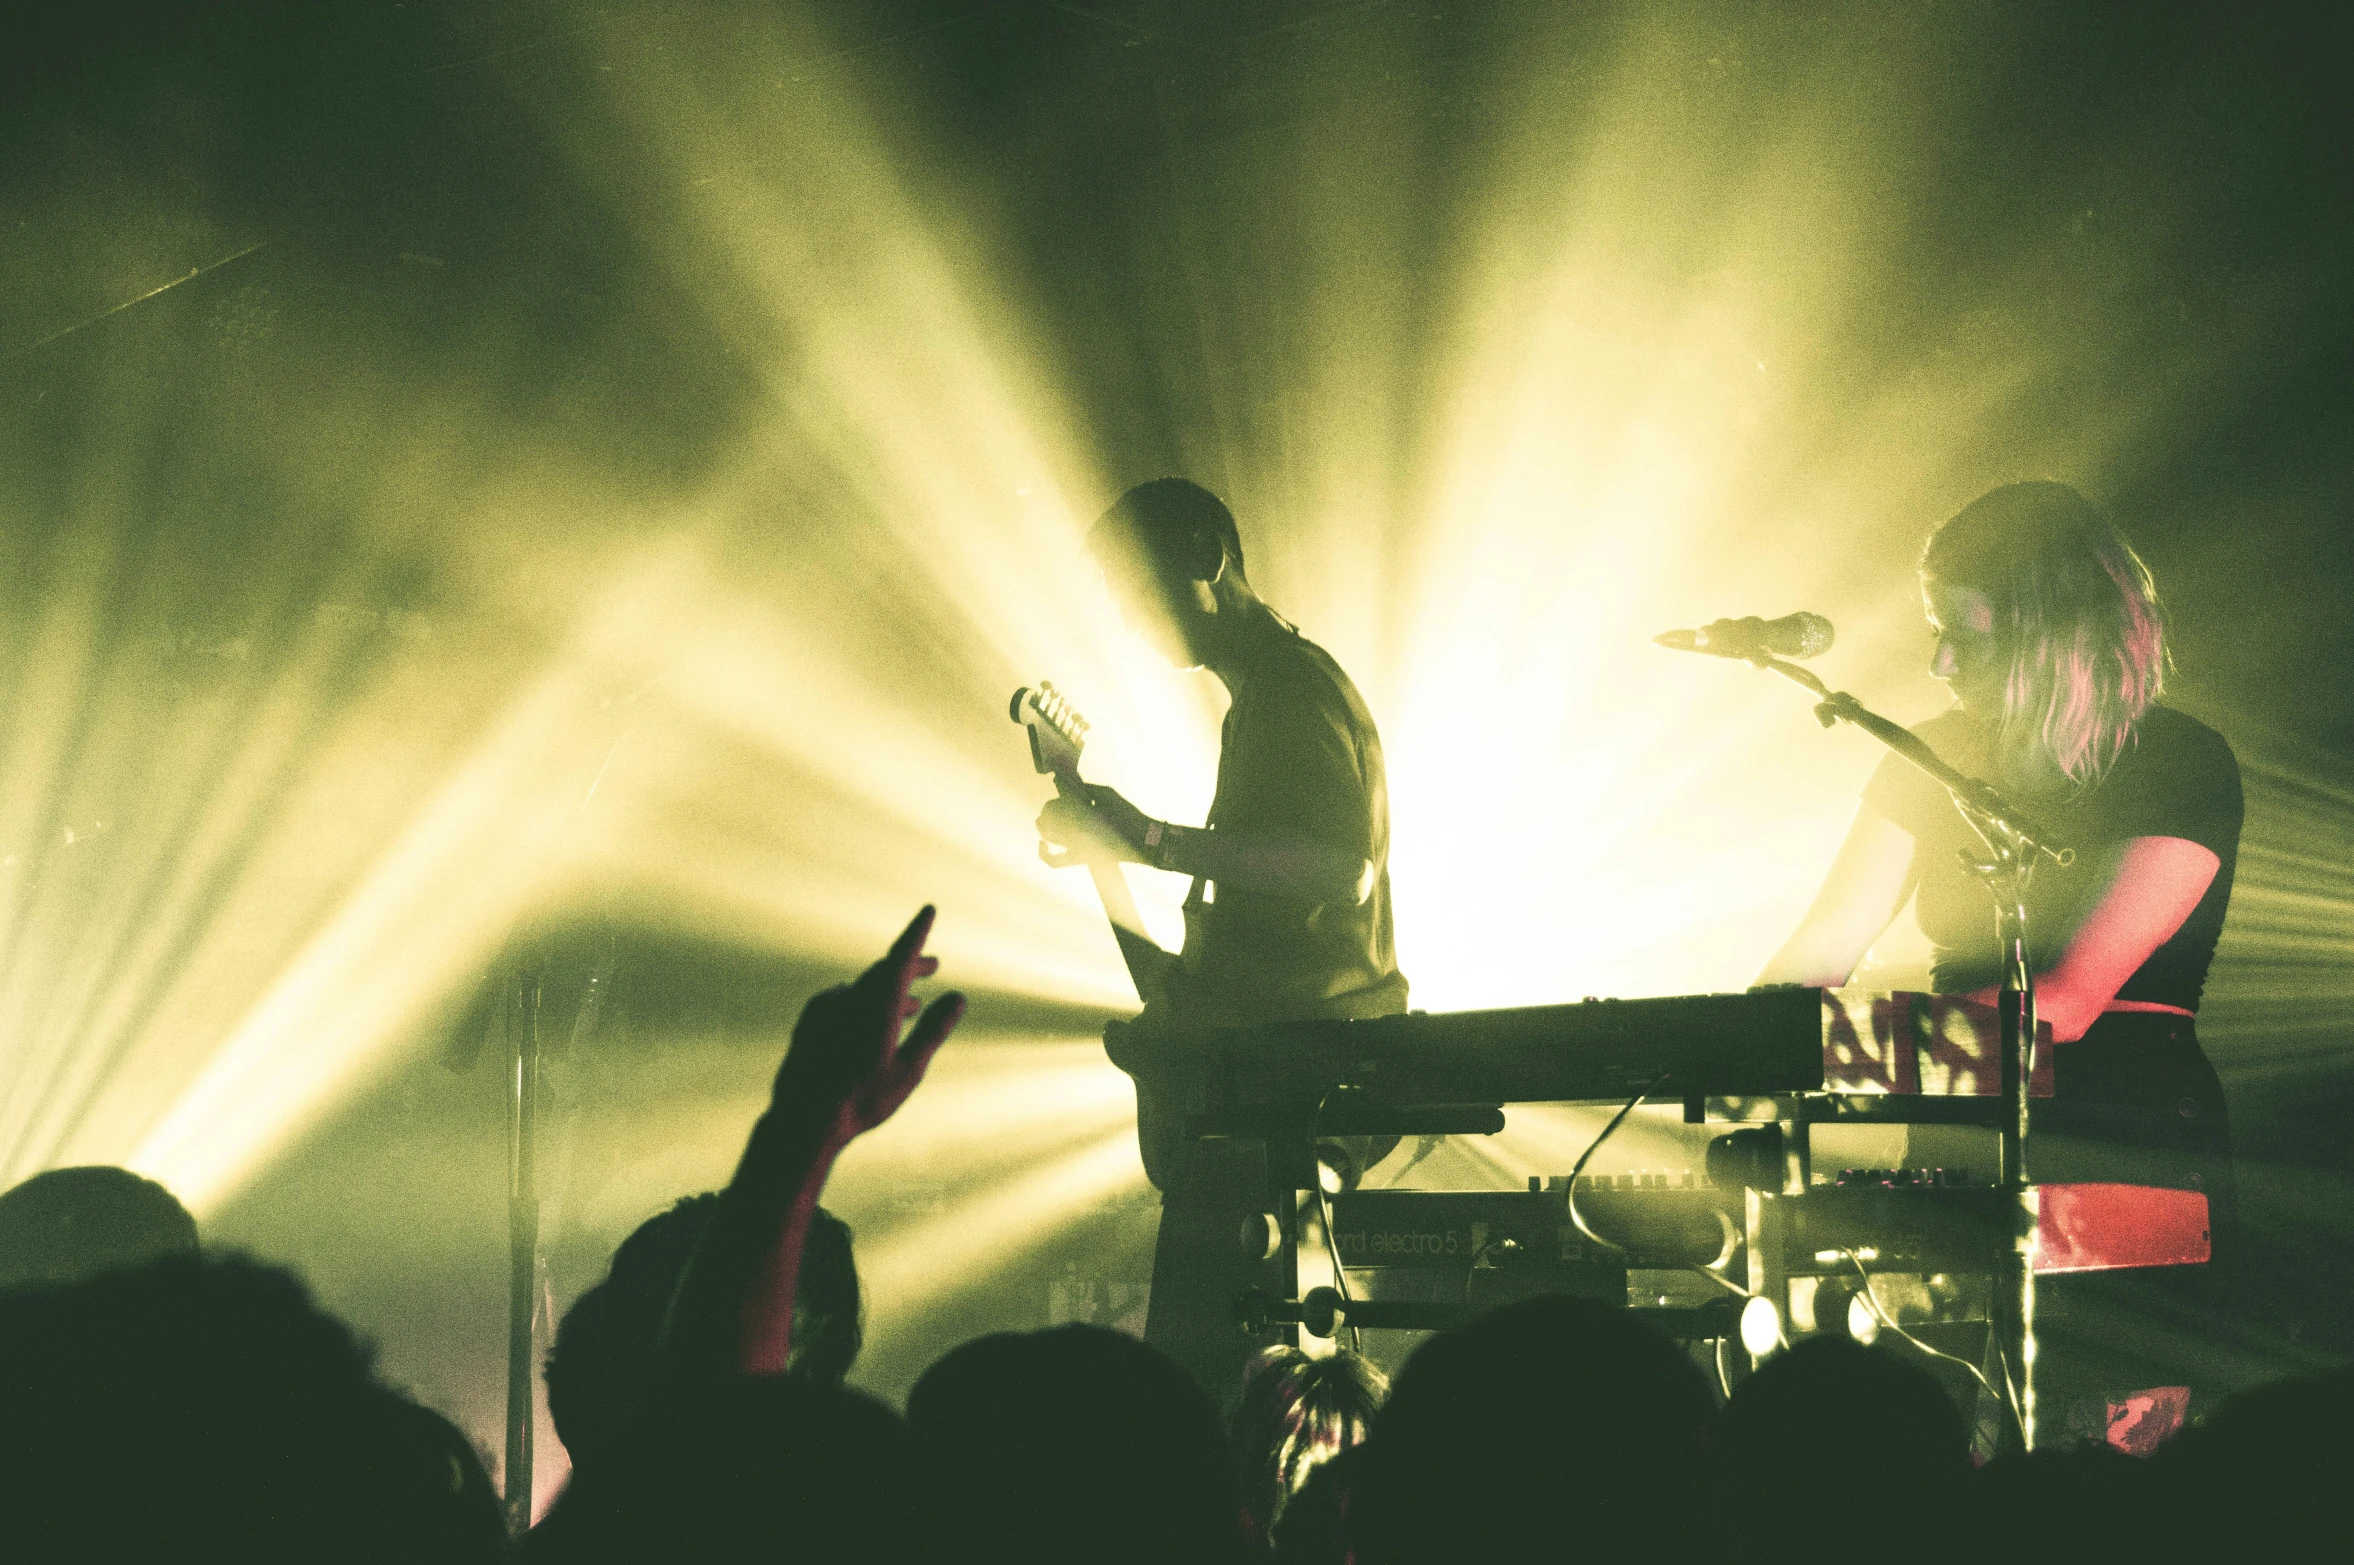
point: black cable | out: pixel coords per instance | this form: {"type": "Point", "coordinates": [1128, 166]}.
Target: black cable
{"type": "Point", "coordinates": [1578, 1218]}
{"type": "Point", "coordinates": [1587, 1156]}
{"type": "Point", "coordinates": [1887, 1318]}
{"type": "Point", "coordinates": [1340, 1273]}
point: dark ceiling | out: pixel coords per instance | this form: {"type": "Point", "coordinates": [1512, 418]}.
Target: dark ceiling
{"type": "Point", "coordinates": [348, 141]}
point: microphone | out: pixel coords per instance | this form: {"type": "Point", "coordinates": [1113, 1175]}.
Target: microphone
{"type": "Point", "coordinates": [1791, 636]}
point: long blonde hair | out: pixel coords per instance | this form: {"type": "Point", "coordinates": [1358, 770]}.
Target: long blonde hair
{"type": "Point", "coordinates": [2075, 611]}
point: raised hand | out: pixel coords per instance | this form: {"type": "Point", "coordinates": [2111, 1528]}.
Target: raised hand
{"type": "Point", "coordinates": [848, 1070]}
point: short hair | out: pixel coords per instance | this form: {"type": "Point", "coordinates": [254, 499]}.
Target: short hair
{"type": "Point", "coordinates": [601, 1362]}
{"type": "Point", "coordinates": [1848, 1427]}
{"type": "Point", "coordinates": [1554, 1407]}
{"type": "Point", "coordinates": [250, 1419]}
{"type": "Point", "coordinates": [72, 1223]}
{"type": "Point", "coordinates": [1072, 1444]}
{"type": "Point", "coordinates": [1161, 517]}
{"type": "Point", "coordinates": [747, 1467]}
{"type": "Point", "coordinates": [1297, 1413]}
{"type": "Point", "coordinates": [2263, 1470]}
{"type": "Point", "coordinates": [2076, 612]}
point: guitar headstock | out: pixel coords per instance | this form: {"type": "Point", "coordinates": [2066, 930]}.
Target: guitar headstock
{"type": "Point", "coordinates": [1057, 732]}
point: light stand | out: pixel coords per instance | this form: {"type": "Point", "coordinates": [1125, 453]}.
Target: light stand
{"type": "Point", "coordinates": [2013, 849]}
{"type": "Point", "coordinates": [510, 1003]}
{"type": "Point", "coordinates": [523, 1257]}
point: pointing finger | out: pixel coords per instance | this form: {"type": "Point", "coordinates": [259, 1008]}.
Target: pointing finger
{"type": "Point", "coordinates": [912, 938]}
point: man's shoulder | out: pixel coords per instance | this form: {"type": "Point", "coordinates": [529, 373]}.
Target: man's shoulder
{"type": "Point", "coordinates": [1291, 670]}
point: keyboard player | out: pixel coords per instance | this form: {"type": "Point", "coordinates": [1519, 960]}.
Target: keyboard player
{"type": "Point", "coordinates": [2049, 633]}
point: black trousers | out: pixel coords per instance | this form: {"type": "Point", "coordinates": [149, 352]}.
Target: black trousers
{"type": "Point", "coordinates": [1200, 1265]}
{"type": "Point", "coordinates": [1210, 1190]}
{"type": "Point", "coordinates": [1213, 1192]}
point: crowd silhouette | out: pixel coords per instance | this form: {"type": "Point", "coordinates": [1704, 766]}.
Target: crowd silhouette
{"type": "Point", "coordinates": [159, 1402]}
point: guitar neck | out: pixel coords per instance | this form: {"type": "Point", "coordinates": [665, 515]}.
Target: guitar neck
{"type": "Point", "coordinates": [1139, 950]}
{"type": "Point", "coordinates": [1142, 954]}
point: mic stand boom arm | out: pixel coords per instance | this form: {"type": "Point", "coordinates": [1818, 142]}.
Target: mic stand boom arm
{"type": "Point", "coordinates": [2014, 847]}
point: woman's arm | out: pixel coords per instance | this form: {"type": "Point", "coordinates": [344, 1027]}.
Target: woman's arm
{"type": "Point", "coordinates": [1868, 883]}
{"type": "Point", "coordinates": [2155, 883]}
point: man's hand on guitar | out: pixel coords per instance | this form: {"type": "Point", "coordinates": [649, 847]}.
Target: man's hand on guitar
{"type": "Point", "coordinates": [1101, 826]}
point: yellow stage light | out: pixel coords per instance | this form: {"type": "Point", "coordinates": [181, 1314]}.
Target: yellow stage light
{"type": "Point", "coordinates": [1636, 375]}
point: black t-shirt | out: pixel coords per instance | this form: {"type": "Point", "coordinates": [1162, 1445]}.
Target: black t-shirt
{"type": "Point", "coordinates": [1299, 761]}
{"type": "Point", "coordinates": [2175, 778]}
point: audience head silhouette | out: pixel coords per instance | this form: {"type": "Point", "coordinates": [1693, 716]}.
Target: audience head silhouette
{"type": "Point", "coordinates": [1296, 1413]}
{"type": "Point", "coordinates": [204, 1409]}
{"type": "Point", "coordinates": [1547, 1418]}
{"type": "Point", "coordinates": [752, 1469]}
{"type": "Point", "coordinates": [603, 1356]}
{"type": "Point", "coordinates": [1319, 1522]}
{"type": "Point", "coordinates": [1833, 1427]}
{"type": "Point", "coordinates": [1073, 1444]}
{"type": "Point", "coordinates": [72, 1223]}
{"type": "Point", "coordinates": [2060, 1503]}
{"type": "Point", "coordinates": [2262, 1477]}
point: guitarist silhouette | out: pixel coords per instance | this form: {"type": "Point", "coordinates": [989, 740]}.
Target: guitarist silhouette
{"type": "Point", "coordinates": [1289, 912]}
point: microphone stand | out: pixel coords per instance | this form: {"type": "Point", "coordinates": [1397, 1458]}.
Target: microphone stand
{"type": "Point", "coordinates": [2014, 847]}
